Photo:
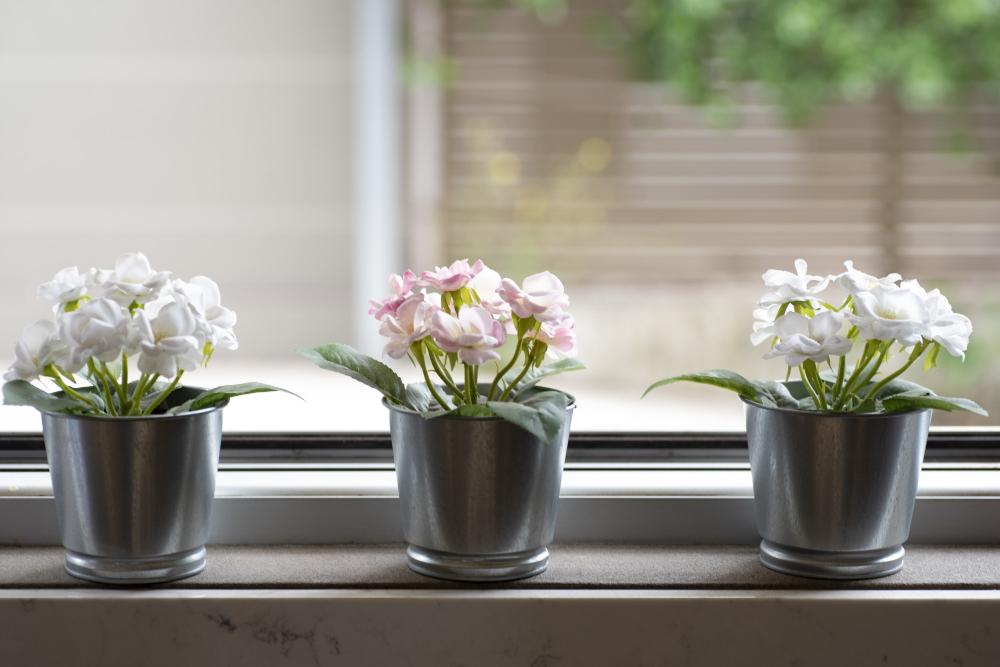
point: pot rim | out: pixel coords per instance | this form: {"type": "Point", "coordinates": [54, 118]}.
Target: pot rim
{"type": "Point", "coordinates": [135, 418]}
{"type": "Point", "coordinates": [406, 410]}
{"type": "Point", "coordinates": [835, 415]}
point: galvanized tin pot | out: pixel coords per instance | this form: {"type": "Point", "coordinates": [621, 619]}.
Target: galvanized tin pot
{"type": "Point", "coordinates": [478, 494]}
{"type": "Point", "coordinates": [134, 494]}
{"type": "Point", "coordinates": [834, 493]}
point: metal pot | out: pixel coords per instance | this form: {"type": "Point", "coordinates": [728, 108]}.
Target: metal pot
{"type": "Point", "coordinates": [834, 493]}
{"type": "Point", "coordinates": [134, 494]}
{"type": "Point", "coordinates": [478, 494]}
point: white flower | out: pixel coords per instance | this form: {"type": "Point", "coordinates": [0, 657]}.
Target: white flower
{"type": "Point", "coordinates": [451, 278]}
{"type": "Point", "coordinates": [814, 338]}
{"type": "Point", "coordinates": [402, 287]}
{"type": "Point", "coordinates": [558, 336]}
{"type": "Point", "coordinates": [410, 324]}
{"type": "Point", "coordinates": [952, 330]}
{"type": "Point", "coordinates": [787, 287]}
{"type": "Point", "coordinates": [134, 280]}
{"type": "Point", "coordinates": [853, 281]}
{"type": "Point", "coordinates": [215, 321]}
{"type": "Point", "coordinates": [542, 297]}
{"type": "Point", "coordinates": [763, 328]}
{"type": "Point", "coordinates": [485, 284]}
{"type": "Point", "coordinates": [69, 286]}
{"type": "Point", "coordinates": [888, 312]}
{"type": "Point", "coordinates": [100, 329]}
{"type": "Point", "coordinates": [39, 346]}
{"type": "Point", "coordinates": [433, 298]}
{"type": "Point", "coordinates": [170, 342]}
{"type": "Point", "coordinates": [474, 334]}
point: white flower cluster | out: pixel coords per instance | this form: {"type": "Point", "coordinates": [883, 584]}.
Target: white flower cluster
{"type": "Point", "coordinates": [172, 325]}
{"type": "Point", "coordinates": [880, 309]}
{"type": "Point", "coordinates": [474, 312]}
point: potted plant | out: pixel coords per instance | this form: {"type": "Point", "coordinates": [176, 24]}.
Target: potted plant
{"type": "Point", "coordinates": [478, 461]}
{"type": "Point", "coordinates": [133, 462]}
{"type": "Point", "coordinates": [835, 455]}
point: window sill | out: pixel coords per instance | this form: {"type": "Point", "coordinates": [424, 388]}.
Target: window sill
{"type": "Point", "coordinates": [596, 605]}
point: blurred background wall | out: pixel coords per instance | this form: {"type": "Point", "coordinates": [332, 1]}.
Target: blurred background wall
{"type": "Point", "coordinates": [212, 135]}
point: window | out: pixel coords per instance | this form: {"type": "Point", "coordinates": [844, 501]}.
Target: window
{"type": "Point", "coordinates": [224, 142]}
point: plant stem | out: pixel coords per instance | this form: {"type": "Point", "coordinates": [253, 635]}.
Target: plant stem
{"type": "Point", "coordinates": [510, 365]}
{"type": "Point", "coordinates": [125, 374]}
{"type": "Point", "coordinates": [859, 365]}
{"type": "Point", "coordinates": [70, 391]}
{"type": "Point", "coordinates": [527, 367]}
{"type": "Point", "coordinates": [917, 351]}
{"type": "Point", "coordinates": [841, 368]}
{"type": "Point", "coordinates": [468, 384]}
{"type": "Point", "coordinates": [107, 388]}
{"type": "Point", "coordinates": [120, 388]}
{"type": "Point", "coordinates": [475, 384]}
{"type": "Point", "coordinates": [140, 387]}
{"type": "Point", "coordinates": [818, 385]}
{"type": "Point", "coordinates": [427, 379]}
{"type": "Point", "coordinates": [163, 394]}
{"type": "Point", "coordinates": [445, 376]}
{"type": "Point", "coordinates": [858, 386]}
{"type": "Point", "coordinates": [138, 395]}
{"type": "Point", "coordinates": [804, 375]}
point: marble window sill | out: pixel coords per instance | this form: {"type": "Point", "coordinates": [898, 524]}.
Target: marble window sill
{"type": "Point", "coordinates": [596, 606]}
{"type": "Point", "coordinates": [572, 566]}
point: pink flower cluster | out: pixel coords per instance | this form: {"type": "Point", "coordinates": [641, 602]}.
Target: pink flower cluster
{"type": "Point", "coordinates": [473, 312]}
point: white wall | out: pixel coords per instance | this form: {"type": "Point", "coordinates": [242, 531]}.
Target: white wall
{"type": "Point", "coordinates": [212, 135]}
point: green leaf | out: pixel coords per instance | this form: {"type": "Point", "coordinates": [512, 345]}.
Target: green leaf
{"type": "Point", "coordinates": [19, 392]}
{"type": "Point", "coordinates": [808, 404]}
{"type": "Point", "coordinates": [717, 378]}
{"type": "Point", "coordinates": [897, 387]}
{"type": "Point", "coordinates": [536, 375]}
{"type": "Point", "coordinates": [211, 397]}
{"type": "Point", "coordinates": [348, 361]}
{"type": "Point", "coordinates": [867, 406]}
{"type": "Point", "coordinates": [541, 414]}
{"type": "Point", "coordinates": [778, 392]}
{"type": "Point", "coordinates": [419, 398]}
{"type": "Point", "coordinates": [460, 411]}
{"type": "Point", "coordinates": [901, 403]}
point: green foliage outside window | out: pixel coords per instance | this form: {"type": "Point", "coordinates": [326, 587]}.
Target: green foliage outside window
{"type": "Point", "coordinates": [809, 52]}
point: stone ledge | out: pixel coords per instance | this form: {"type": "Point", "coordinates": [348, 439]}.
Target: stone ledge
{"type": "Point", "coordinates": [572, 566]}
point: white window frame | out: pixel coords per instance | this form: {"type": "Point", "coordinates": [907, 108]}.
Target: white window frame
{"type": "Point", "coordinates": [305, 499]}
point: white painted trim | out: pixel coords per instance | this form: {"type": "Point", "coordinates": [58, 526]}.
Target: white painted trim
{"type": "Point", "coordinates": [667, 504]}
{"type": "Point", "coordinates": [377, 155]}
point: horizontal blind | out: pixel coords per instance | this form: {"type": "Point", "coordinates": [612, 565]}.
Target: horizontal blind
{"type": "Point", "coordinates": [533, 106]}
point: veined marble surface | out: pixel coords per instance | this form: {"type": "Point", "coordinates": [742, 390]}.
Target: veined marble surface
{"type": "Point", "coordinates": [486, 628]}
{"type": "Point", "coordinates": [600, 605]}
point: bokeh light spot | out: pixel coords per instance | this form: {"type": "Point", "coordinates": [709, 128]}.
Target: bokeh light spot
{"type": "Point", "coordinates": [505, 168]}
{"type": "Point", "coordinates": [532, 201]}
{"type": "Point", "coordinates": [594, 154]}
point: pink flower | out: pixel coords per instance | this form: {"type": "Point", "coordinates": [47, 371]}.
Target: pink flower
{"type": "Point", "coordinates": [451, 278]}
{"type": "Point", "coordinates": [559, 336]}
{"type": "Point", "coordinates": [406, 326]}
{"type": "Point", "coordinates": [402, 286]}
{"type": "Point", "coordinates": [474, 334]}
{"type": "Point", "coordinates": [543, 297]}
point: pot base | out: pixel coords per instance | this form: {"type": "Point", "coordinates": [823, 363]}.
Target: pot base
{"type": "Point", "coordinates": [136, 571]}
{"type": "Point", "coordinates": [831, 564]}
{"type": "Point", "coordinates": [482, 568]}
